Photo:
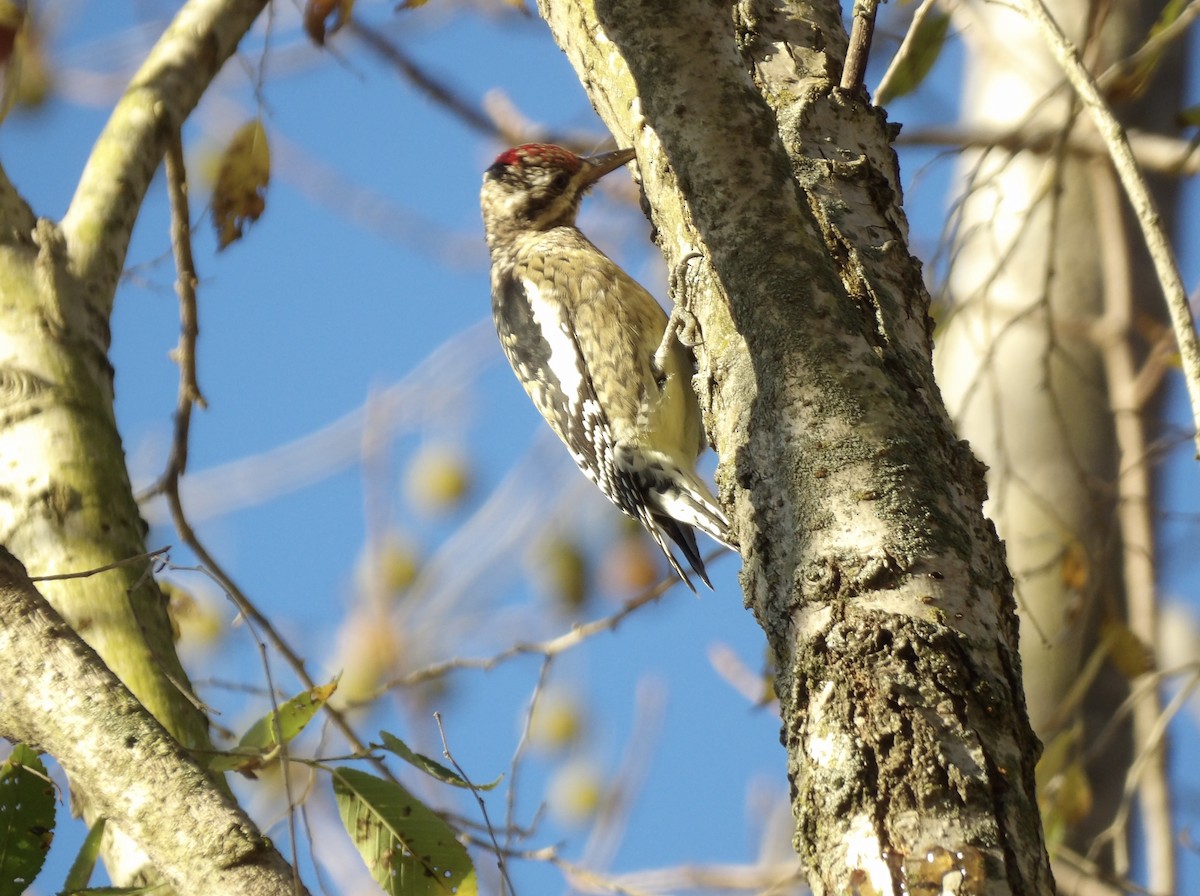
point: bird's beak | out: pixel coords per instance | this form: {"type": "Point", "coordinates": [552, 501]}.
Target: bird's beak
{"type": "Point", "coordinates": [600, 165]}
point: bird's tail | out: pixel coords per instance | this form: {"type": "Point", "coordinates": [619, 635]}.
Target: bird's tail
{"type": "Point", "coordinates": [685, 540]}
{"type": "Point", "coordinates": [675, 501]}
{"type": "Point", "coordinates": [678, 493]}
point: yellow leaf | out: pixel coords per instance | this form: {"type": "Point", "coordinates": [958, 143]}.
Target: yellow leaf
{"type": "Point", "coordinates": [242, 176]}
{"type": "Point", "coordinates": [563, 572]}
{"type": "Point", "coordinates": [1129, 653]}
{"type": "Point", "coordinates": [1057, 754]}
{"type": "Point", "coordinates": [438, 478]}
{"type": "Point", "coordinates": [559, 720]}
{"type": "Point", "coordinates": [576, 793]}
{"type": "Point", "coordinates": [1075, 794]}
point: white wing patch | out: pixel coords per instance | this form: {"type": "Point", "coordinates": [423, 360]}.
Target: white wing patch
{"type": "Point", "coordinates": [564, 362]}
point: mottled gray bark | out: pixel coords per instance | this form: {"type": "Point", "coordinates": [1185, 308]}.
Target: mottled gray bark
{"type": "Point", "coordinates": [880, 585]}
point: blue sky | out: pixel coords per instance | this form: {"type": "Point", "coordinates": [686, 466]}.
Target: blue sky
{"type": "Point", "coordinates": [368, 259]}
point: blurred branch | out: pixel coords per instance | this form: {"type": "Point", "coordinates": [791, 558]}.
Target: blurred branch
{"type": "Point", "coordinates": [1134, 490]}
{"type": "Point", "coordinates": [514, 766]}
{"type": "Point", "coordinates": [1153, 152]}
{"type": "Point", "coordinates": [1136, 189]}
{"type": "Point", "coordinates": [627, 783]}
{"type": "Point", "coordinates": [490, 120]}
{"type": "Point", "coordinates": [253, 480]}
{"type": "Point", "coordinates": [445, 96]}
{"type": "Point", "coordinates": [100, 219]}
{"type": "Point", "coordinates": [1116, 832]}
{"type": "Point", "coordinates": [1079, 877]}
{"type": "Point", "coordinates": [773, 878]}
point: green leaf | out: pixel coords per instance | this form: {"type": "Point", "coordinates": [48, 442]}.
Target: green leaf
{"type": "Point", "coordinates": [393, 744]}
{"type": "Point", "coordinates": [112, 891]}
{"type": "Point", "coordinates": [26, 819]}
{"type": "Point", "coordinates": [258, 745]}
{"type": "Point", "coordinates": [85, 860]}
{"type": "Point", "coordinates": [408, 849]}
{"type": "Point", "coordinates": [293, 716]}
{"type": "Point", "coordinates": [916, 57]}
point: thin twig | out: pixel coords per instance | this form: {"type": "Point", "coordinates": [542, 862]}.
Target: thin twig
{"type": "Point", "coordinates": [1113, 833]}
{"type": "Point", "coordinates": [514, 766]}
{"type": "Point", "coordinates": [252, 614]}
{"type": "Point", "coordinates": [1139, 196]}
{"type": "Point", "coordinates": [500, 863]}
{"type": "Point", "coordinates": [547, 648]}
{"type": "Point", "coordinates": [861, 32]}
{"type": "Point", "coordinates": [189, 395]}
{"type": "Point", "coordinates": [1113, 725]}
{"type": "Point", "coordinates": [128, 561]}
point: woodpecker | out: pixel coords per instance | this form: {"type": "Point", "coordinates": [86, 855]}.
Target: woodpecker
{"type": "Point", "coordinates": [588, 344]}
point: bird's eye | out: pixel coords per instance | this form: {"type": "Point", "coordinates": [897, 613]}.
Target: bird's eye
{"type": "Point", "coordinates": [560, 181]}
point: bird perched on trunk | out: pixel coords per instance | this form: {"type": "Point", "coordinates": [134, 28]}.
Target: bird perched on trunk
{"type": "Point", "coordinates": [591, 348]}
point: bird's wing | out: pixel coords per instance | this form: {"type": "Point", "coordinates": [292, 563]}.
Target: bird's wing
{"type": "Point", "coordinates": [541, 345]}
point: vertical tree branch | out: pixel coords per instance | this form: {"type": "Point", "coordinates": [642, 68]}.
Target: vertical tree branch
{"type": "Point", "coordinates": [1137, 531]}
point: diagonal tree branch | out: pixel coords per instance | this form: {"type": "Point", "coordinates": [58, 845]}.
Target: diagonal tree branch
{"type": "Point", "coordinates": [1138, 192]}
{"type": "Point", "coordinates": [60, 697]}
{"type": "Point", "coordinates": [162, 94]}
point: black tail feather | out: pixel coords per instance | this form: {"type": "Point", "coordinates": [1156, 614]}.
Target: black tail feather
{"type": "Point", "coordinates": [685, 540]}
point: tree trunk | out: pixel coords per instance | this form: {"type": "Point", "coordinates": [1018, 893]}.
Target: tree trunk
{"type": "Point", "coordinates": [880, 585]}
{"type": "Point", "coordinates": [66, 504]}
